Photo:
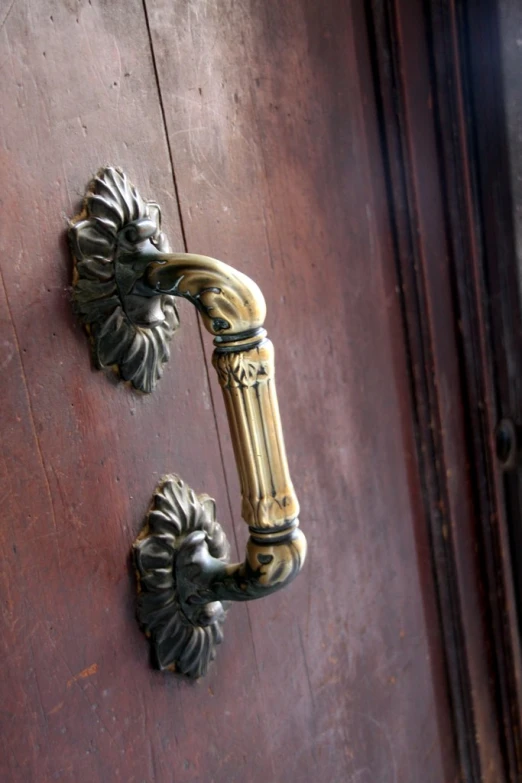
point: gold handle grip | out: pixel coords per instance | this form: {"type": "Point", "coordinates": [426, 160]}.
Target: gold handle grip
{"type": "Point", "coordinates": [248, 382]}
{"type": "Point", "coordinates": [233, 310]}
{"type": "Point", "coordinates": [124, 283]}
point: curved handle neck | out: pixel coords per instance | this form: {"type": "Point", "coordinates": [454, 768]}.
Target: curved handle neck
{"type": "Point", "coordinates": [228, 300]}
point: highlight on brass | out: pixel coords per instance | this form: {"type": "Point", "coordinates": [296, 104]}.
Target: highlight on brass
{"type": "Point", "coordinates": [125, 283]}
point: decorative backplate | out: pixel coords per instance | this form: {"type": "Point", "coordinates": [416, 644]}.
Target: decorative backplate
{"type": "Point", "coordinates": [125, 283]}
{"type": "Point", "coordinates": [183, 640]}
{"type": "Point", "coordinates": [129, 333]}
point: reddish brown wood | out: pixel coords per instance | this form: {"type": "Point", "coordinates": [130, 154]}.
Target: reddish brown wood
{"type": "Point", "coordinates": [81, 456]}
{"type": "Point", "coordinates": [428, 82]}
{"type": "Point", "coordinates": [301, 142]}
{"type": "Point", "coordinates": [273, 135]}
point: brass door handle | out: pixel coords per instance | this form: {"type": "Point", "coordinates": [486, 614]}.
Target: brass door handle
{"type": "Point", "coordinates": [124, 283]}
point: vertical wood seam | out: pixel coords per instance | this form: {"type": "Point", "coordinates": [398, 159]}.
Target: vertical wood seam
{"type": "Point", "coordinates": [185, 247]}
{"type": "Point", "coordinates": [424, 393]}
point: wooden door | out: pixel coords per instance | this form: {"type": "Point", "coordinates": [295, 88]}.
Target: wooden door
{"type": "Point", "coordinates": [264, 132]}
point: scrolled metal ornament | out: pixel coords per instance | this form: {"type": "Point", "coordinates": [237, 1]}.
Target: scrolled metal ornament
{"type": "Point", "coordinates": [183, 636]}
{"type": "Point", "coordinates": [125, 282]}
{"type": "Point", "coordinates": [128, 333]}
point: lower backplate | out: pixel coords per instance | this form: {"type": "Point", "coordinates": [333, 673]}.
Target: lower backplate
{"type": "Point", "coordinates": [176, 520]}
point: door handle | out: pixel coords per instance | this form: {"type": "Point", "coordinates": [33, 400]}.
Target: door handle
{"type": "Point", "coordinates": [125, 281]}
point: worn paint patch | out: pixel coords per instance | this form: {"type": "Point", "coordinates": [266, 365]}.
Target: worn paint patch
{"type": "Point", "coordinates": [88, 672]}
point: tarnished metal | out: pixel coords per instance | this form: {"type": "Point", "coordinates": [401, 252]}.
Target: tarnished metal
{"type": "Point", "coordinates": [125, 282]}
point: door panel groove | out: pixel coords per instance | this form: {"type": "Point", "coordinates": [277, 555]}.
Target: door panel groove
{"type": "Point", "coordinates": [258, 129]}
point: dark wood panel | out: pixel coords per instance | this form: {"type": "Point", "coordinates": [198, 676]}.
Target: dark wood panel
{"type": "Point", "coordinates": [421, 62]}
{"type": "Point", "coordinates": [80, 455]}
{"type": "Point", "coordinates": [491, 201]}
{"type": "Point", "coordinates": [324, 150]}
{"type": "Point", "coordinates": [273, 134]}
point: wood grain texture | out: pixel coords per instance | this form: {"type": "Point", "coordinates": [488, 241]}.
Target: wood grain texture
{"type": "Point", "coordinates": [307, 150]}
{"type": "Point", "coordinates": [432, 65]}
{"type": "Point", "coordinates": [275, 150]}
{"type": "Point", "coordinates": [81, 456]}
{"type": "Point", "coordinates": [490, 193]}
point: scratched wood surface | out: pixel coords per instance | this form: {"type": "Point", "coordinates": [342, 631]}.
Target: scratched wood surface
{"type": "Point", "coordinates": [273, 137]}
{"type": "Point", "coordinates": [81, 456]}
